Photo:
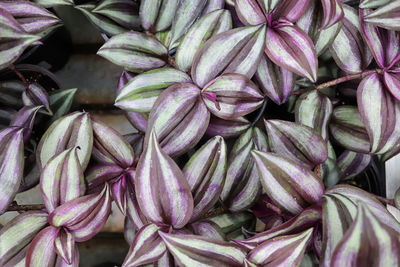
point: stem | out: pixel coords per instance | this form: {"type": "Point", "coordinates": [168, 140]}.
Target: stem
{"type": "Point", "coordinates": [16, 207]}
{"type": "Point", "coordinates": [346, 78]}
{"type": "Point", "coordinates": [213, 213]}
{"type": "Point", "coordinates": [261, 113]}
{"type": "Point", "coordinates": [19, 74]}
{"type": "Point", "coordinates": [385, 200]}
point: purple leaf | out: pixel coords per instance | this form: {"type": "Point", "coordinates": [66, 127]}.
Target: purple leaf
{"type": "Point", "coordinates": [296, 50]}
{"type": "Point", "coordinates": [209, 25]}
{"type": "Point", "coordinates": [392, 82]}
{"type": "Point", "coordinates": [297, 142]}
{"type": "Point", "coordinates": [212, 5]}
{"type": "Point", "coordinates": [101, 173]}
{"type": "Point", "coordinates": [306, 219]}
{"type": "Point", "coordinates": [84, 216]}
{"type": "Point", "coordinates": [285, 250]}
{"type": "Point", "coordinates": [36, 95]}
{"type": "Point", "coordinates": [16, 235]}
{"type": "Point", "coordinates": [208, 229]}
{"type": "Point", "coordinates": [276, 82]}
{"type": "Point", "coordinates": [162, 190]}
{"type": "Point", "coordinates": [140, 93]}
{"type": "Point", "coordinates": [235, 96]}
{"type": "Point", "coordinates": [138, 120]}
{"type": "Point", "coordinates": [348, 49]}
{"type": "Point", "coordinates": [351, 163]}
{"type": "Point", "coordinates": [205, 172]}
{"type": "Point", "coordinates": [186, 14]}
{"type": "Point", "coordinates": [227, 128]}
{"type": "Point", "coordinates": [109, 146]}
{"type": "Point", "coordinates": [64, 245]}
{"type": "Point", "coordinates": [147, 247]}
{"type": "Point", "coordinates": [41, 251]}
{"type": "Point", "coordinates": [333, 13]}
{"type": "Point", "coordinates": [235, 51]}
{"type": "Point", "coordinates": [69, 131]}
{"type": "Point", "coordinates": [348, 130]}
{"type": "Point", "coordinates": [156, 15]}
{"type": "Point", "coordinates": [11, 164]}
{"type": "Point", "coordinates": [290, 9]}
{"type": "Point", "coordinates": [134, 51]}
{"type": "Point", "coordinates": [387, 16]}
{"type": "Point", "coordinates": [242, 186]}
{"type": "Point", "coordinates": [133, 212]}
{"type": "Point", "coordinates": [250, 12]}
{"type": "Point", "coordinates": [14, 39]}
{"type": "Point", "coordinates": [61, 179]}
{"type": "Point", "coordinates": [32, 17]}
{"type": "Point", "coordinates": [25, 118]}
{"type": "Point", "coordinates": [367, 242]}
{"type": "Point", "coordinates": [193, 250]}
{"type": "Point", "coordinates": [291, 186]}
{"type": "Point", "coordinates": [179, 118]}
{"type": "Point", "coordinates": [379, 111]}
{"type": "Point", "coordinates": [357, 196]}
{"type": "Point", "coordinates": [314, 109]}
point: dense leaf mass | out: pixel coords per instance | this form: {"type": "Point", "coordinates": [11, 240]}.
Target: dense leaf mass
{"type": "Point", "coordinates": [259, 128]}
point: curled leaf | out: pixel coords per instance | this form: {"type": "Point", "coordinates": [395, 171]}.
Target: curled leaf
{"type": "Point", "coordinates": [351, 163]}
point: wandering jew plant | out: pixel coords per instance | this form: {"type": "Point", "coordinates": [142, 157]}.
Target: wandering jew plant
{"type": "Point", "coordinates": [258, 125]}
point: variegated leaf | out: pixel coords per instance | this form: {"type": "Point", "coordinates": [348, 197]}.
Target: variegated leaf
{"type": "Point", "coordinates": [227, 128]}
{"type": "Point", "coordinates": [386, 16]}
{"type": "Point", "coordinates": [135, 51]}
{"type": "Point", "coordinates": [208, 229]}
{"type": "Point", "coordinates": [291, 186]}
{"type": "Point", "coordinates": [352, 163]}
{"type": "Point", "coordinates": [157, 15]}
{"type": "Point", "coordinates": [230, 96]}
{"type": "Point", "coordinates": [179, 118]}
{"type": "Point", "coordinates": [123, 12]}
{"type": "Point", "coordinates": [205, 172]}
{"type": "Point", "coordinates": [168, 200]}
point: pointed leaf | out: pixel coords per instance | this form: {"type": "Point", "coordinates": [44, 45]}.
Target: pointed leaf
{"type": "Point", "coordinates": [333, 12]}
{"type": "Point", "coordinates": [351, 163]}
{"type": "Point", "coordinates": [276, 82]}
{"type": "Point", "coordinates": [147, 247]}
{"type": "Point", "coordinates": [36, 95]}
{"type": "Point", "coordinates": [373, 3]}
{"type": "Point", "coordinates": [227, 128]}
{"type": "Point", "coordinates": [123, 12]}
{"type": "Point", "coordinates": [306, 219]}
{"type": "Point", "coordinates": [235, 51]}
{"type": "Point", "coordinates": [32, 17]}
{"type": "Point", "coordinates": [290, 9]}
{"type": "Point", "coordinates": [296, 50]}
{"type": "Point", "coordinates": [367, 234]}
{"type": "Point", "coordinates": [231, 95]}
{"type": "Point", "coordinates": [101, 173]}
{"type": "Point", "coordinates": [179, 118]}
{"type": "Point", "coordinates": [386, 16]}
{"type": "Point", "coordinates": [250, 12]}
{"type": "Point", "coordinates": [242, 186]}
{"type": "Point", "coordinates": [162, 191]}
{"type": "Point", "coordinates": [290, 186]}
{"type": "Point", "coordinates": [14, 39]}
{"type": "Point", "coordinates": [64, 245]}
{"type": "Point", "coordinates": [25, 118]}
{"type": "Point", "coordinates": [187, 12]}
{"type": "Point", "coordinates": [133, 211]}
{"type": "Point", "coordinates": [134, 51]}
{"type": "Point", "coordinates": [348, 49]}
{"type": "Point", "coordinates": [314, 109]}
{"type": "Point", "coordinates": [205, 172]}
{"type": "Point", "coordinates": [69, 131]}
{"type": "Point", "coordinates": [41, 250]}
{"type": "Point", "coordinates": [140, 93]}
{"type": "Point", "coordinates": [110, 146]}
{"type": "Point", "coordinates": [285, 250]}
{"type": "Point", "coordinates": [296, 142]}
{"type": "Point", "coordinates": [61, 179]}
{"type": "Point", "coordinates": [18, 233]}
{"type": "Point", "coordinates": [207, 229]}
{"type": "Point", "coordinates": [156, 15]}
{"type": "Point", "coordinates": [61, 102]}
{"type": "Point", "coordinates": [191, 250]}
{"type": "Point", "coordinates": [209, 25]}
{"type": "Point", "coordinates": [347, 129]}
{"type": "Point", "coordinates": [380, 112]}
{"type": "Point", "coordinates": [11, 164]}
{"type": "Point", "coordinates": [392, 82]}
